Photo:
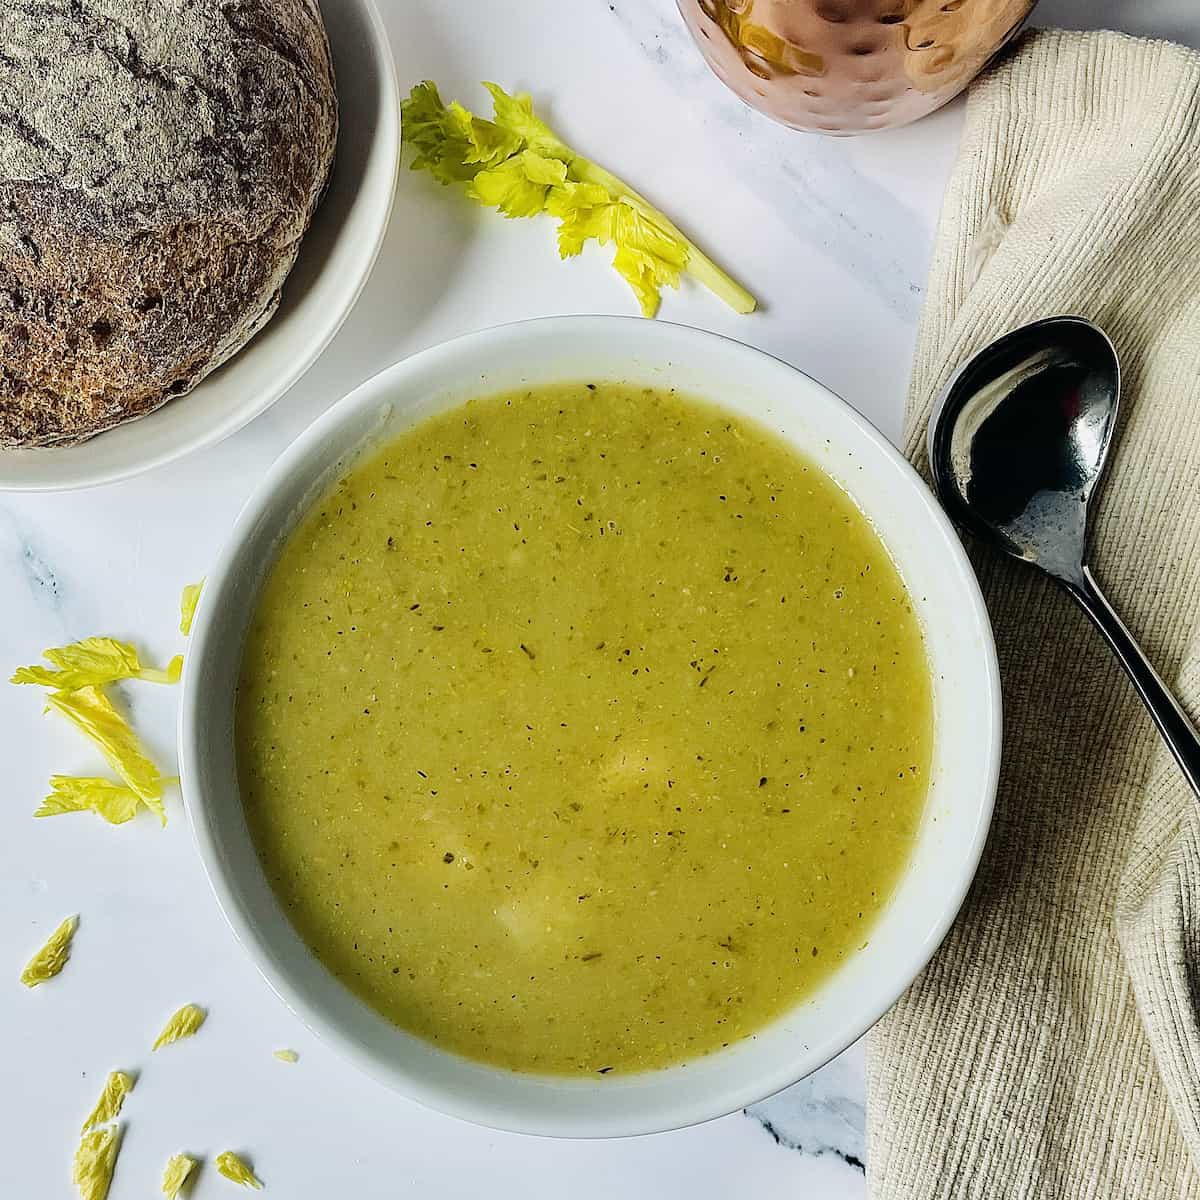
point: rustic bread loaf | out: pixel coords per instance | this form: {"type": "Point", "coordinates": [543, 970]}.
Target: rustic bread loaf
{"type": "Point", "coordinates": [160, 161]}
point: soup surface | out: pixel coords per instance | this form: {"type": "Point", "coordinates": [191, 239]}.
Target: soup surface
{"type": "Point", "coordinates": [584, 729]}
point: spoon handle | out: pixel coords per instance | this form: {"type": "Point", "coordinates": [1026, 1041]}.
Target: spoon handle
{"type": "Point", "coordinates": [1173, 723]}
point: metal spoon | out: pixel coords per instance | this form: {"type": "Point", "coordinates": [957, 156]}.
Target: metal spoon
{"type": "Point", "coordinates": [1017, 444]}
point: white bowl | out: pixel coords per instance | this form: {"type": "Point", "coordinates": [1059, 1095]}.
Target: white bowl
{"type": "Point", "coordinates": [335, 259]}
{"type": "Point", "coordinates": [966, 693]}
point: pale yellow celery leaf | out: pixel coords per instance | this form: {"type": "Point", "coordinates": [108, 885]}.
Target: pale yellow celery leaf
{"type": "Point", "coordinates": [237, 1169]}
{"type": "Point", "coordinates": [515, 113]}
{"type": "Point", "coordinates": [518, 186]}
{"type": "Point", "coordinates": [73, 793]}
{"type": "Point", "coordinates": [108, 1107]}
{"type": "Point", "coordinates": [183, 1024]}
{"type": "Point", "coordinates": [52, 957]}
{"type": "Point", "coordinates": [574, 200]}
{"type": "Point", "coordinates": [699, 265]}
{"type": "Point", "coordinates": [582, 223]}
{"type": "Point", "coordinates": [94, 660]}
{"type": "Point", "coordinates": [175, 1174]}
{"type": "Point", "coordinates": [187, 608]}
{"type": "Point", "coordinates": [451, 142]}
{"type": "Point", "coordinates": [641, 277]}
{"type": "Point", "coordinates": [287, 1056]}
{"type": "Point", "coordinates": [485, 142]}
{"type": "Point", "coordinates": [92, 1170]}
{"type": "Point", "coordinates": [94, 715]}
{"type": "Point", "coordinates": [647, 256]}
{"type": "Point", "coordinates": [439, 145]}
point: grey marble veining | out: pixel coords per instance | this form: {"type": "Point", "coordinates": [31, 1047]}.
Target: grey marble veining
{"type": "Point", "coordinates": [42, 580]}
{"type": "Point", "coordinates": [23, 559]}
{"type": "Point", "coordinates": [824, 1115]}
{"type": "Point", "coordinates": [831, 205]}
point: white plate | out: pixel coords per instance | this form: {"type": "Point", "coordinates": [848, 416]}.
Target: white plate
{"type": "Point", "coordinates": [966, 753]}
{"type": "Point", "coordinates": [335, 259]}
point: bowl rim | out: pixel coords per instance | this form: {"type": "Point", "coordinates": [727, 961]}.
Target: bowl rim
{"type": "Point", "coordinates": [697, 1109]}
{"type": "Point", "coordinates": [385, 146]}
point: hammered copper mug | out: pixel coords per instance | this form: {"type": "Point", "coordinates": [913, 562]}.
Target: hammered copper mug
{"type": "Point", "coordinates": [850, 66]}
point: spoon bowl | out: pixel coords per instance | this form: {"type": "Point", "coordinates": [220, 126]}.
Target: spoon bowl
{"type": "Point", "coordinates": [1019, 439]}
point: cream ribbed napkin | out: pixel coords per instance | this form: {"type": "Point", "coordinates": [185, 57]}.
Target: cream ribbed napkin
{"type": "Point", "coordinates": [1051, 1049]}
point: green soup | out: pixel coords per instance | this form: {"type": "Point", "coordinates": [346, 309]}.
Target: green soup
{"type": "Point", "coordinates": [584, 729]}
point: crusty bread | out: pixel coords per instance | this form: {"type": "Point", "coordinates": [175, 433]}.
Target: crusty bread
{"type": "Point", "coordinates": [160, 161]}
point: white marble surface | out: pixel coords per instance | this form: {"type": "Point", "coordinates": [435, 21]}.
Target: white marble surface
{"type": "Point", "coordinates": [833, 236]}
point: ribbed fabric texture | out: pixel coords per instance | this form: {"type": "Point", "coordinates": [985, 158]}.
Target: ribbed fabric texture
{"type": "Point", "coordinates": [1051, 1049]}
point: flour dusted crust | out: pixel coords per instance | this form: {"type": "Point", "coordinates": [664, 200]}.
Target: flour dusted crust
{"type": "Point", "coordinates": [160, 161]}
